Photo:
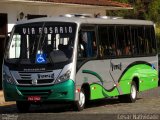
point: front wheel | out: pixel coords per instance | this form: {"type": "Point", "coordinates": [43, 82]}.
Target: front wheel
{"type": "Point", "coordinates": [80, 104]}
{"type": "Point", "coordinates": [130, 97]}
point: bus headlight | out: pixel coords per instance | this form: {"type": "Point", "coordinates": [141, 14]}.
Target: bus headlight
{"type": "Point", "coordinates": [8, 78]}
{"type": "Point", "coordinates": [64, 77]}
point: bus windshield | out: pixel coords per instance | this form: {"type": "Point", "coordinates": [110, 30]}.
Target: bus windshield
{"type": "Point", "coordinates": [42, 43]}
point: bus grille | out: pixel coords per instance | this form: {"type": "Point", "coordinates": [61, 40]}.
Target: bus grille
{"type": "Point", "coordinates": [25, 78]}
{"type": "Point", "coordinates": [39, 81]}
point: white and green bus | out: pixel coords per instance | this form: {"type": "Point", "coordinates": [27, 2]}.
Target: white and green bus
{"type": "Point", "coordinates": [79, 58]}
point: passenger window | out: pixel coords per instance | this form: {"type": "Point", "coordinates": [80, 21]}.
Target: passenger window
{"type": "Point", "coordinates": [123, 40]}
{"type": "Point", "coordinates": [134, 36]}
{"type": "Point", "coordinates": [108, 46]}
{"type": "Point", "coordinates": [141, 40]}
{"type": "Point", "coordinates": [150, 40]}
{"type": "Point", "coordinates": [87, 46]}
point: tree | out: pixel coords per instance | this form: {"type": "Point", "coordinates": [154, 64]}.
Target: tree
{"type": "Point", "coordinates": [154, 11]}
{"type": "Point", "coordinates": [142, 9]}
{"type": "Point", "coordinates": [138, 11]}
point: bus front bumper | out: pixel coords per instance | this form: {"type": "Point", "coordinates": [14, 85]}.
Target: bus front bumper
{"type": "Point", "coordinates": [58, 92]}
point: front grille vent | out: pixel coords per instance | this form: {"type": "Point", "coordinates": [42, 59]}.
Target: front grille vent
{"type": "Point", "coordinates": [26, 79]}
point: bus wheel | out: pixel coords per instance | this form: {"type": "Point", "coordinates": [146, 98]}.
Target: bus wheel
{"type": "Point", "coordinates": [130, 97]}
{"type": "Point", "coordinates": [79, 105]}
{"type": "Point", "coordinates": [133, 94]}
{"type": "Point", "coordinates": [22, 106]}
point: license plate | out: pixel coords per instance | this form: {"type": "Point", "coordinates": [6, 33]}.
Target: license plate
{"type": "Point", "coordinates": [34, 98]}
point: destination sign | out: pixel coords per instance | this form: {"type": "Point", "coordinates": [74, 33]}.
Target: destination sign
{"type": "Point", "coordinates": [47, 30]}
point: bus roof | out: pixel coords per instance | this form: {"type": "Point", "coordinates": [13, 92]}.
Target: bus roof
{"type": "Point", "coordinates": [89, 20]}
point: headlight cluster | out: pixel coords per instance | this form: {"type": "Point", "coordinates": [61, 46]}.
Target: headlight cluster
{"type": "Point", "coordinates": [8, 78]}
{"type": "Point", "coordinates": [64, 77]}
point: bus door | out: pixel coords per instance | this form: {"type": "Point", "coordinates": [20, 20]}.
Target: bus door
{"type": "Point", "coordinates": [86, 55]}
{"type": "Point", "coordinates": [87, 48]}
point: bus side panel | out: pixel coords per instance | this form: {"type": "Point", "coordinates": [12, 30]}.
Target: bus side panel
{"type": "Point", "coordinates": [148, 77]}
{"type": "Point", "coordinates": [107, 83]}
{"type": "Point", "coordinates": [95, 73]}
{"type": "Point", "coordinates": [125, 86]}
{"type": "Point", "coordinates": [147, 80]}
{"type": "Point", "coordinates": [146, 74]}
{"type": "Point", "coordinates": [98, 91]}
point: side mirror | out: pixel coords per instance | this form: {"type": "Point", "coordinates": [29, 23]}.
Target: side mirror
{"type": "Point", "coordinates": [6, 40]}
{"type": "Point", "coordinates": [6, 43]}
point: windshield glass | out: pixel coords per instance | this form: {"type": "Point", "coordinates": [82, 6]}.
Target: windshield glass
{"type": "Point", "coordinates": [42, 43]}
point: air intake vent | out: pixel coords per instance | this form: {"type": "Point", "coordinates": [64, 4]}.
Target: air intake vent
{"type": "Point", "coordinates": [26, 78]}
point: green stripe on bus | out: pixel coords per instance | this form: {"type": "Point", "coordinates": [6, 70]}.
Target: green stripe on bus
{"type": "Point", "coordinates": [93, 73]}
{"type": "Point", "coordinates": [147, 75]}
{"type": "Point", "coordinates": [98, 91]}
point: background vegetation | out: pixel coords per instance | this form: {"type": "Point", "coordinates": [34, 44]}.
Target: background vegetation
{"type": "Point", "coordinates": [142, 9]}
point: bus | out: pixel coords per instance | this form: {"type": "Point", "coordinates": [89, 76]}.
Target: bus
{"type": "Point", "coordinates": [79, 58]}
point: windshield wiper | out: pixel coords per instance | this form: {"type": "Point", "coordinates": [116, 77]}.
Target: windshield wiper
{"type": "Point", "coordinates": [40, 37]}
{"type": "Point", "coordinates": [41, 43]}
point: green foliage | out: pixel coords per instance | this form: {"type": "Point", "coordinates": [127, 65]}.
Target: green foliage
{"type": "Point", "coordinates": [154, 11]}
{"type": "Point", "coordinates": [141, 10]}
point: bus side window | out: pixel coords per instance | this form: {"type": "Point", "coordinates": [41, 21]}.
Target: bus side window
{"type": "Point", "coordinates": [152, 43]}
{"type": "Point", "coordinates": [153, 40]}
{"type": "Point", "coordinates": [141, 40]}
{"type": "Point", "coordinates": [87, 44]}
{"type": "Point", "coordinates": [135, 40]}
{"type": "Point", "coordinates": [105, 39]}
{"type": "Point", "coordinates": [81, 47]}
{"type": "Point", "coordinates": [148, 40]}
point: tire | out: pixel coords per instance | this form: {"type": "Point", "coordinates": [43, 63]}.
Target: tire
{"type": "Point", "coordinates": [131, 98]}
{"type": "Point", "coordinates": [80, 104]}
{"type": "Point", "coordinates": [22, 106]}
{"type": "Point", "coordinates": [133, 94]}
